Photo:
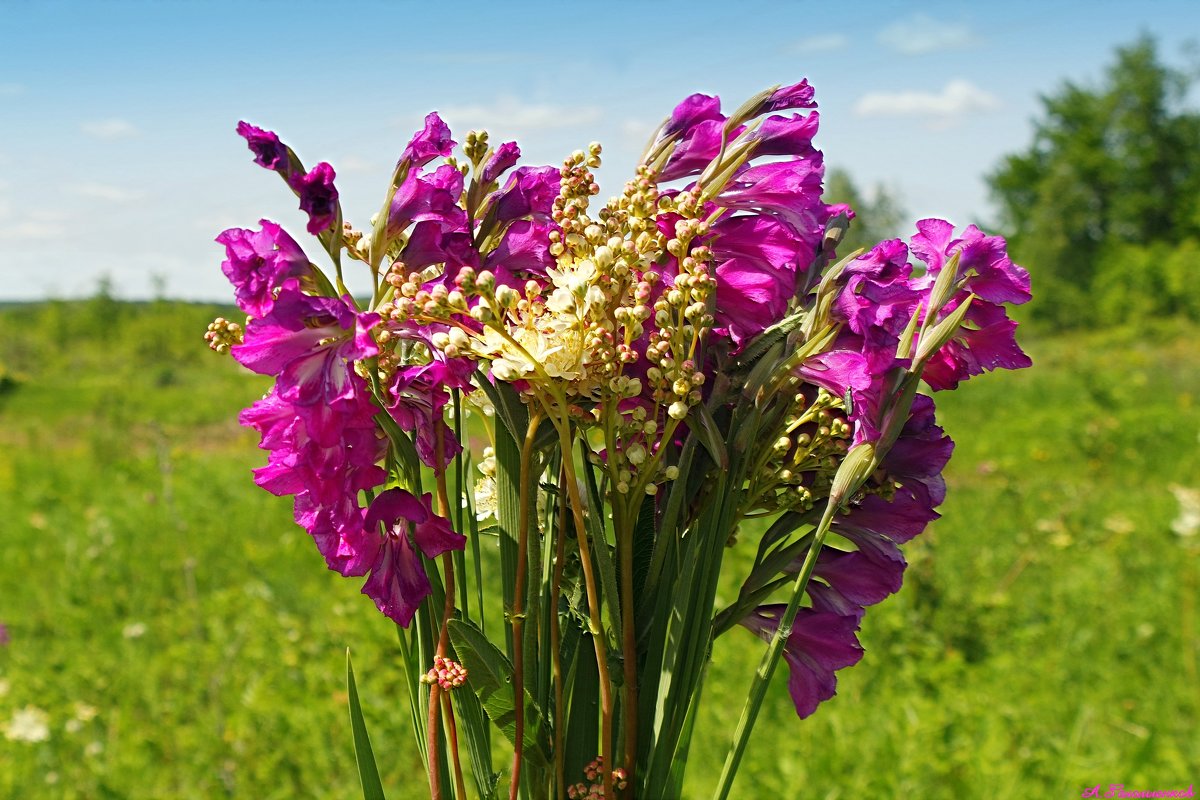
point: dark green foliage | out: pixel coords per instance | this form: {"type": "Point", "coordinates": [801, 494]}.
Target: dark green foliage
{"type": "Point", "coordinates": [1107, 194]}
{"type": "Point", "coordinates": [876, 219]}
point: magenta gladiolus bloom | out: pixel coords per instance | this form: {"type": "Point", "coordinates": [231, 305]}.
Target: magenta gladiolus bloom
{"type": "Point", "coordinates": [309, 343]}
{"type": "Point", "coordinates": [318, 197]}
{"type": "Point", "coordinates": [529, 192]}
{"type": "Point", "coordinates": [504, 159]}
{"type": "Point", "coordinates": [429, 143]}
{"type": "Point", "coordinates": [988, 339]}
{"type": "Point", "coordinates": [398, 582]}
{"type": "Point", "coordinates": [268, 151]}
{"type": "Point", "coordinates": [429, 197]}
{"type": "Point", "coordinates": [692, 111]}
{"type": "Point", "coordinates": [820, 643]}
{"type": "Point", "coordinates": [258, 263]}
{"type": "Point", "coordinates": [798, 95]}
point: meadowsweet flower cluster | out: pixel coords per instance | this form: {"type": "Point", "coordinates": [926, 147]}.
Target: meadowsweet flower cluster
{"type": "Point", "coordinates": [571, 410]}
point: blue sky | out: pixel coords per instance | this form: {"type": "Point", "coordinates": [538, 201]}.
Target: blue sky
{"type": "Point", "coordinates": [118, 155]}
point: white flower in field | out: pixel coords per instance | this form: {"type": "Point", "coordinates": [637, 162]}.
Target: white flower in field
{"type": "Point", "coordinates": [85, 712]}
{"type": "Point", "coordinates": [4, 686]}
{"type": "Point", "coordinates": [29, 724]}
{"type": "Point", "coordinates": [1187, 524]}
{"type": "Point", "coordinates": [93, 749]}
{"type": "Point", "coordinates": [73, 726]}
{"type": "Point", "coordinates": [134, 630]}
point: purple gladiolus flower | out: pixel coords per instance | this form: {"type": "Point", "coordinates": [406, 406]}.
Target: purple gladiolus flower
{"type": "Point", "coordinates": [429, 197]}
{"type": "Point", "coordinates": [878, 291]}
{"type": "Point", "coordinates": [857, 579]}
{"type": "Point", "coordinates": [398, 582]}
{"type": "Point", "coordinates": [422, 393]}
{"type": "Point", "coordinates": [268, 151]}
{"type": "Point", "coordinates": [991, 274]}
{"type": "Point", "coordinates": [529, 192]}
{"type": "Point", "coordinates": [525, 248]}
{"type": "Point", "coordinates": [798, 95]}
{"type": "Point", "coordinates": [701, 144]}
{"type": "Point", "coordinates": [502, 160]}
{"type": "Point", "coordinates": [987, 341]}
{"type": "Point", "coordinates": [429, 143]}
{"type": "Point", "coordinates": [787, 136]}
{"type": "Point", "coordinates": [258, 262]}
{"type": "Point", "coordinates": [820, 643]}
{"type": "Point", "coordinates": [915, 461]}
{"type": "Point", "coordinates": [318, 197]}
{"type": "Point", "coordinates": [325, 479]}
{"type": "Point", "coordinates": [310, 343]}
{"type": "Point", "coordinates": [692, 111]}
{"type": "Point", "coordinates": [790, 190]}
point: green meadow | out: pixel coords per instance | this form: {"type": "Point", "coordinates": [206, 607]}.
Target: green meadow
{"type": "Point", "coordinates": [172, 634]}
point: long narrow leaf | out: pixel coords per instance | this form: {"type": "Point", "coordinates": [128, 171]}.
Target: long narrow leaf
{"type": "Point", "coordinates": [490, 676]}
{"type": "Point", "coordinates": [368, 773]}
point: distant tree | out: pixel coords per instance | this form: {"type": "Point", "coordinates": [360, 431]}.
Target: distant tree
{"type": "Point", "coordinates": [1110, 167]}
{"type": "Point", "coordinates": [876, 219]}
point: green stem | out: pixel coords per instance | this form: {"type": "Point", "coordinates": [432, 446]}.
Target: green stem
{"type": "Point", "coordinates": [762, 676]}
{"type": "Point", "coordinates": [560, 728]}
{"type": "Point", "coordinates": [518, 615]}
{"type": "Point", "coordinates": [595, 626]}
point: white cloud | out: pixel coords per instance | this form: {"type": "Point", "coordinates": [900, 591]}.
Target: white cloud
{"type": "Point", "coordinates": [957, 99]}
{"type": "Point", "coordinates": [104, 191]}
{"type": "Point", "coordinates": [29, 223]}
{"type": "Point", "coordinates": [113, 128]}
{"type": "Point", "coordinates": [821, 43]}
{"type": "Point", "coordinates": [511, 114]}
{"type": "Point", "coordinates": [922, 34]}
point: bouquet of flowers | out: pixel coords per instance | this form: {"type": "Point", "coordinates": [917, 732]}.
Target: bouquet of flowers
{"type": "Point", "coordinates": [540, 434]}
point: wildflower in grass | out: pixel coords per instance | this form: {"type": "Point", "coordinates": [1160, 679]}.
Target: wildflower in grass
{"type": "Point", "coordinates": [397, 581]}
{"type": "Point", "coordinates": [29, 724]}
{"type": "Point", "coordinates": [1186, 525]}
{"type": "Point", "coordinates": [5, 637]}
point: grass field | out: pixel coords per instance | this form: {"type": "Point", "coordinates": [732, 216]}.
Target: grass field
{"type": "Point", "coordinates": [173, 634]}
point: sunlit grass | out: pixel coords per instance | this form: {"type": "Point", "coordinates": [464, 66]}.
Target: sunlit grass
{"type": "Point", "coordinates": [1045, 639]}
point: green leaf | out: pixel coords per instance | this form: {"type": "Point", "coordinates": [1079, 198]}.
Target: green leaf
{"type": "Point", "coordinates": [490, 674]}
{"type": "Point", "coordinates": [368, 773]}
{"type": "Point", "coordinates": [710, 436]}
{"type": "Point", "coordinates": [470, 713]}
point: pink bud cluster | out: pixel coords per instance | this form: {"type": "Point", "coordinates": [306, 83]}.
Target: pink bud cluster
{"type": "Point", "coordinates": [445, 673]}
{"type": "Point", "coordinates": [594, 788]}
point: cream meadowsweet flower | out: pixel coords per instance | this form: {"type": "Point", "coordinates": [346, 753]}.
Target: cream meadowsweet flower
{"type": "Point", "coordinates": [550, 341]}
{"type": "Point", "coordinates": [28, 724]}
